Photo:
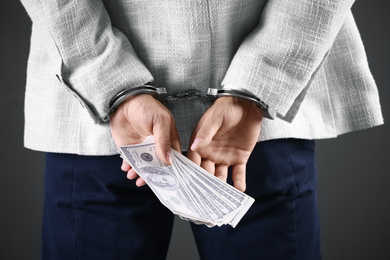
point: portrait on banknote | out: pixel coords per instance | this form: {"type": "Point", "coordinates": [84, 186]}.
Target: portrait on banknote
{"type": "Point", "coordinates": [160, 178]}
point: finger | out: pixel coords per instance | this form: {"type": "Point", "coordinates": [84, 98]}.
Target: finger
{"type": "Point", "coordinates": [131, 174]}
{"type": "Point", "coordinates": [162, 136]}
{"type": "Point", "coordinates": [221, 172]}
{"type": "Point", "coordinates": [140, 182]}
{"type": "Point", "coordinates": [239, 176]}
{"type": "Point", "coordinates": [125, 166]}
{"type": "Point", "coordinates": [175, 139]}
{"type": "Point", "coordinates": [208, 166]}
{"type": "Point", "coordinates": [195, 157]}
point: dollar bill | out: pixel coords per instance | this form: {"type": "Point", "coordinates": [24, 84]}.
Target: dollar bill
{"type": "Point", "coordinates": [187, 189]}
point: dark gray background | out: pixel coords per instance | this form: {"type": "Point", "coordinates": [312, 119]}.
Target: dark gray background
{"type": "Point", "coordinates": [354, 172]}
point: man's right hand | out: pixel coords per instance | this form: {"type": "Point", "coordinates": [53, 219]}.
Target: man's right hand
{"type": "Point", "coordinates": [139, 117]}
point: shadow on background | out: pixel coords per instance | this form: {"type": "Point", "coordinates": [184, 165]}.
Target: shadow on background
{"type": "Point", "coordinates": [354, 172]}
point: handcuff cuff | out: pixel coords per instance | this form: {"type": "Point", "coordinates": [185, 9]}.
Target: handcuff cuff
{"type": "Point", "coordinates": [212, 94]}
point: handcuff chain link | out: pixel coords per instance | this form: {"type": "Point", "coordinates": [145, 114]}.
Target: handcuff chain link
{"type": "Point", "coordinates": [190, 94]}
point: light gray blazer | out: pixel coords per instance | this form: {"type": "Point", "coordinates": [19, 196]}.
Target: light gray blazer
{"type": "Point", "coordinates": [303, 58]}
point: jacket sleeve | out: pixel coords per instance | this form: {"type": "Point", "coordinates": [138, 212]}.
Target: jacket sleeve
{"type": "Point", "coordinates": [93, 59]}
{"type": "Point", "coordinates": [280, 58]}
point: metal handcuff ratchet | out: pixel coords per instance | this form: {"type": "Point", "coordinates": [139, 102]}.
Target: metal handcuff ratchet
{"type": "Point", "coordinates": [212, 94]}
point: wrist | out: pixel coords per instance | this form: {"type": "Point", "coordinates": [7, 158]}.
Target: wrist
{"type": "Point", "coordinates": [246, 105]}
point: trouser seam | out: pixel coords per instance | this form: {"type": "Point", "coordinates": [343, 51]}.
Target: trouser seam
{"type": "Point", "coordinates": [293, 200]}
{"type": "Point", "coordinates": [75, 210]}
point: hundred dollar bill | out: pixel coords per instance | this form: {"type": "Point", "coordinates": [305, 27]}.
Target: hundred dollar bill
{"type": "Point", "coordinates": [225, 198]}
{"type": "Point", "coordinates": [228, 201]}
{"type": "Point", "coordinates": [187, 189]}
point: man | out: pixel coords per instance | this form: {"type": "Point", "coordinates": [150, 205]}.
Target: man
{"type": "Point", "coordinates": [303, 59]}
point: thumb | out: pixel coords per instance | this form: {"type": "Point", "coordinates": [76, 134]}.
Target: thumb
{"type": "Point", "coordinates": [162, 138]}
{"type": "Point", "coordinates": [205, 132]}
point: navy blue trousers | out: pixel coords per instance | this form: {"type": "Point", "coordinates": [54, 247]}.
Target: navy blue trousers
{"type": "Point", "coordinates": [91, 211]}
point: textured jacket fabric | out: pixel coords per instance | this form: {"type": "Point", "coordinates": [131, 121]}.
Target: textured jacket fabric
{"type": "Point", "coordinates": [303, 58]}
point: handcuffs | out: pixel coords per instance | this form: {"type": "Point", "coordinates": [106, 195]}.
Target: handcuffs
{"type": "Point", "coordinates": [212, 94]}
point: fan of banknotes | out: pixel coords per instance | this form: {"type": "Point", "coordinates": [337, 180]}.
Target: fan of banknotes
{"type": "Point", "coordinates": [187, 189]}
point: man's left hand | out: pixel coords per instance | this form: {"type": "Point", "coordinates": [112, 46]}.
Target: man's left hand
{"type": "Point", "coordinates": [225, 136]}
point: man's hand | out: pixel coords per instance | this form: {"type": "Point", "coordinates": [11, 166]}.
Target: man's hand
{"type": "Point", "coordinates": [225, 136]}
{"type": "Point", "coordinates": [139, 117]}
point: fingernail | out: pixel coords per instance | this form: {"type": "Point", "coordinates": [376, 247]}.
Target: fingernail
{"type": "Point", "coordinates": [131, 175]}
{"type": "Point", "coordinates": [195, 144]}
{"type": "Point", "coordinates": [139, 182]}
{"type": "Point", "coordinates": [168, 157]}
